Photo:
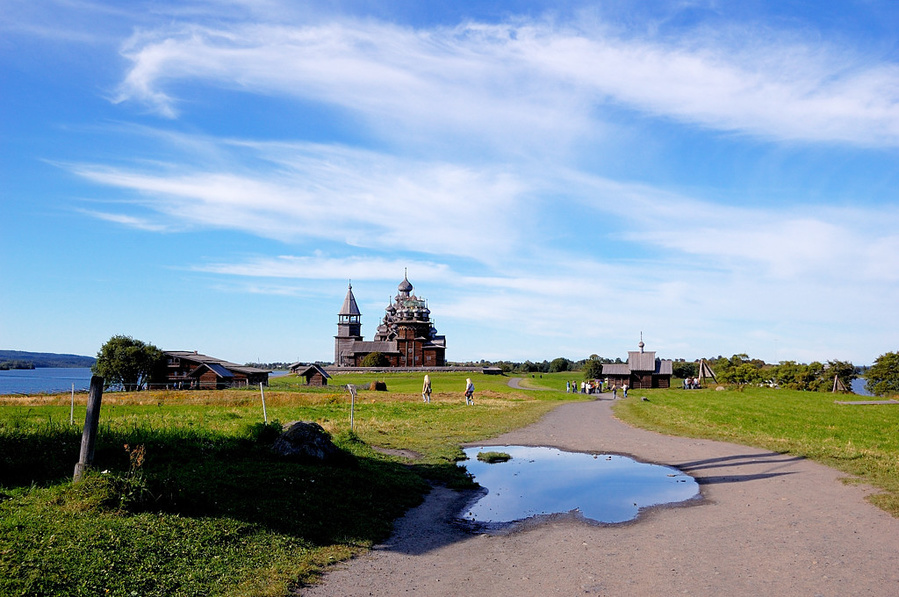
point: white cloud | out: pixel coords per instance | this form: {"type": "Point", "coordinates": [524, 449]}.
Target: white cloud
{"type": "Point", "coordinates": [128, 221]}
{"type": "Point", "coordinates": [320, 267]}
{"type": "Point", "coordinates": [313, 191]}
{"type": "Point", "coordinates": [507, 246]}
{"type": "Point", "coordinates": [536, 80]}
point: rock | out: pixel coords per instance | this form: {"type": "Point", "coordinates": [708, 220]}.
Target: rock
{"type": "Point", "coordinates": [306, 440]}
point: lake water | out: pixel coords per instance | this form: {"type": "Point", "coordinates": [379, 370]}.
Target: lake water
{"type": "Point", "coordinates": [540, 482]}
{"type": "Point", "coordinates": [858, 387]}
{"type": "Point", "coordinates": [45, 380]}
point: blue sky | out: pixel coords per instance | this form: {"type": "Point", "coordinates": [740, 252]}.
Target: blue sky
{"type": "Point", "coordinates": [557, 177]}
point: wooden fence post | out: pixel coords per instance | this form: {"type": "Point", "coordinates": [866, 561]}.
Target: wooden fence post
{"type": "Point", "coordinates": [262, 392]}
{"type": "Point", "coordinates": [91, 423]}
{"type": "Point", "coordinates": [352, 390]}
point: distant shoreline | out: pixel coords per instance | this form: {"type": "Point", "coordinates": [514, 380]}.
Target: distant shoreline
{"type": "Point", "coordinates": [21, 359]}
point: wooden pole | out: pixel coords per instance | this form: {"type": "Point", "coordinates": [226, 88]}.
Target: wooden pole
{"type": "Point", "coordinates": [72, 409]}
{"type": "Point", "coordinates": [352, 390]}
{"type": "Point", "coordinates": [262, 393]}
{"type": "Point", "coordinates": [91, 424]}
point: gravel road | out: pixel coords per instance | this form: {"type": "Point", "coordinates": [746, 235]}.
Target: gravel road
{"type": "Point", "coordinates": [766, 524]}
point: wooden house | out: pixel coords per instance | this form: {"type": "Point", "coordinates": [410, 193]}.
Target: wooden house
{"type": "Point", "coordinates": [642, 370]}
{"type": "Point", "coordinates": [315, 375]}
{"type": "Point", "coordinates": [191, 370]}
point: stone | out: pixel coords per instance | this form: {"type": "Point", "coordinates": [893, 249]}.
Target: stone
{"type": "Point", "coordinates": [307, 440]}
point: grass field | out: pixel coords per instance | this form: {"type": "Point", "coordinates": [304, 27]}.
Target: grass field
{"type": "Point", "coordinates": [187, 499]}
{"type": "Point", "coordinates": [862, 441]}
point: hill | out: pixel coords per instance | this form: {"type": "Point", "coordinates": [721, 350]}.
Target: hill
{"type": "Point", "coordinates": [46, 359]}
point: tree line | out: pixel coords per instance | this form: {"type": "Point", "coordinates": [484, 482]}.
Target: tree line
{"type": "Point", "coordinates": [131, 364]}
{"type": "Point", "coordinates": [880, 379]}
{"type": "Point", "coordinates": [7, 365]}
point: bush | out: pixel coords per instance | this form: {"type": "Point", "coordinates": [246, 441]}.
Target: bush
{"type": "Point", "coordinates": [375, 359]}
{"type": "Point", "coordinates": [264, 433]}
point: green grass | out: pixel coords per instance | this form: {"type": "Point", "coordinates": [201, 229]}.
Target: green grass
{"type": "Point", "coordinates": [862, 441]}
{"type": "Point", "coordinates": [494, 457]}
{"type": "Point", "coordinates": [208, 509]}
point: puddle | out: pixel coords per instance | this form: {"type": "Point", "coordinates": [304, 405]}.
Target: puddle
{"type": "Point", "coordinates": [604, 488]}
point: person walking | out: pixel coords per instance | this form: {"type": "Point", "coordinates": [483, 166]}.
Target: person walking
{"type": "Point", "coordinates": [426, 389]}
{"type": "Point", "coordinates": [614, 392]}
{"type": "Point", "coordinates": [624, 390]}
{"type": "Point", "coordinates": [469, 392]}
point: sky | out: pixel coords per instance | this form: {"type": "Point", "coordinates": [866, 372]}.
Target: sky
{"type": "Point", "coordinates": [557, 178]}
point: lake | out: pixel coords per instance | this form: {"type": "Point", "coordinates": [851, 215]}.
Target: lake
{"type": "Point", "coordinates": [858, 387]}
{"type": "Point", "coordinates": [45, 380]}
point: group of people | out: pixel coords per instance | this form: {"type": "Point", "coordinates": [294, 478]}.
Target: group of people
{"type": "Point", "coordinates": [587, 387]}
{"type": "Point", "coordinates": [596, 386]}
{"type": "Point", "coordinates": [691, 383]}
{"type": "Point", "coordinates": [426, 390]}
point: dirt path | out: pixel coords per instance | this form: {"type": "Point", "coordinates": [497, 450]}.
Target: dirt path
{"type": "Point", "coordinates": [768, 524]}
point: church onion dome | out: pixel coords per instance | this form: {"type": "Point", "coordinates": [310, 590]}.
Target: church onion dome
{"type": "Point", "coordinates": [405, 286]}
{"type": "Point", "coordinates": [349, 304]}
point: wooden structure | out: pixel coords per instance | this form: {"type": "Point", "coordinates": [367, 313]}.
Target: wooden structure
{"type": "Point", "coordinates": [642, 370]}
{"type": "Point", "coordinates": [705, 372]}
{"type": "Point", "coordinates": [838, 385]}
{"type": "Point", "coordinates": [406, 335]}
{"type": "Point", "coordinates": [194, 371]}
{"type": "Point", "coordinates": [315, 375]}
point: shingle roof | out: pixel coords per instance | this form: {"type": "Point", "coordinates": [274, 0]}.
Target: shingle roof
{"type": "Point", "coordinates": [215, 368]}
{"type": "Point", "coordinates": [193, 356]}
{"type": "Point", "coordinates": [385, 346]}
{"type": "Point", "coordinates": [616, 369]}
{"type": "Point", "coordinates": [641, 361]}
{"type": "Point", "coordinates": [349, 304]}
{"type": "Point", "coordinates": [312, 369]}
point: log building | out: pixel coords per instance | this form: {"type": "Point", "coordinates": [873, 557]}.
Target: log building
{"type": "Point", "coordinates": [191, 370]}
{"type": "Point", "coordinates": [642, 370]}
{"type": "Point", "coordinates": [406, 334]}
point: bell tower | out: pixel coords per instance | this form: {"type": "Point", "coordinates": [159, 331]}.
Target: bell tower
{"type": "Point", "coordinates": [349, 327]}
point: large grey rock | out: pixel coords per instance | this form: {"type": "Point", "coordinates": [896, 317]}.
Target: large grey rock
{"type": "Point", "coordinates": [306, 440]}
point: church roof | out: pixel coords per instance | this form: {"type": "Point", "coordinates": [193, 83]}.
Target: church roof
{"type": "Point", "coordinates": [638, 360]}
{"type": "Point", "coordinates": [616, 369]}
{"type": "Point", "coordinates": [405, 285]}
{"type": "Point", "coordinates": [349, 304]}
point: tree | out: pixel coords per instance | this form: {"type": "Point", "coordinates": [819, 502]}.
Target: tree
{"type": "Point", "coordinates": [844, 370]}
{"type": "Point", "coordinates": [883, 376]}
{"type": "Point", "coordinates": [740, 369]}
{"type": "Point", "coordinates": [559, 364]}
{"type": "Point", "coordinates": [797, 376]}
{"type": "Point", "coordinates": [593, 368]}
{"type": "Point", "coordinates": [375, 359]}
{"type": "Point", "coordinates": [130, 363]}
{"type": "Point", "coordinates": [683, 370]}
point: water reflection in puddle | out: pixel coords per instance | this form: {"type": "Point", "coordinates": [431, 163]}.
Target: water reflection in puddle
{"type": "Point", "coordinates": [544, 481]}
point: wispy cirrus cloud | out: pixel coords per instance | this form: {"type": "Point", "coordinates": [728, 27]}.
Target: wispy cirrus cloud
{"type": "Point", "coordinates": [303, 191]}
{"type": "Point", "coordinates": [549, 80]}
